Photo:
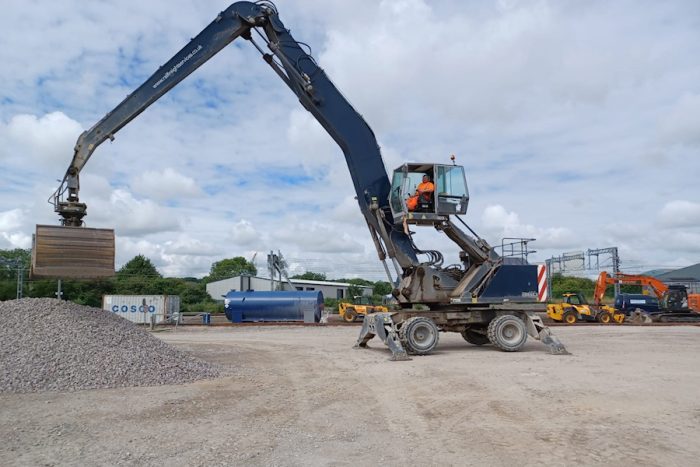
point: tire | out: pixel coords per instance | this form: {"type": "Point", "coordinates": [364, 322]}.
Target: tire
{"type": "Point", "coordinates": [350, 315]}
{"type": "Point", "coordinates": [569, 317]}
{"type": "Point", "coordinates": [475, 337]}
{"type": "Point", "coordinates": [419, 335]}
{"type": "Point", "coordinates": [508, 333]}
{"type": "Point", "coordinates": [604, 318]}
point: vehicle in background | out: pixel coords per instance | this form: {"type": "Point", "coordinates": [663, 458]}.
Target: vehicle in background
{"type": "Point", "coordinates": [673, 299]}
{"type": "Point", "coordinates": [575, 308]}
{"type": "Point", "coordinates": [694, 302]}
{"type": "Point", "coordinates": [627, 302]}
{"type": "Point", "coordinates": [360, 306]}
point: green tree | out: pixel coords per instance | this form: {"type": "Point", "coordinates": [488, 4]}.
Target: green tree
{"type": "Point", "coordinates": [9, 258]}
{"type": "Point", "coordinates": [229, 268]}
{"type": "Point", "coordinates": [563, 284]}
{"type": "Point", "coordinates": [86, 292]}
{"type": "Point", "coordinates": [310, 276]}
{"type": "Point", "coordinates": [382, 288]}
{"type": "Point", "coordinates": [138, 276]}
{"type": "Point", "coordinates": [195, 293]}
{"type": "Point", "coordinates": [354, 291]}
{"type": "Point", "coordinates": [138, 266]}
{"type": "Point", "coordinates": [10, 261]}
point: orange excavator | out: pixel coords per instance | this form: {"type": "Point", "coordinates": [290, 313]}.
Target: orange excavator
{"type": "Point", "coordinates": [676, 304]}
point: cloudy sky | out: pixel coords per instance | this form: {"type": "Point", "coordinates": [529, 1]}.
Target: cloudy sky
{"type": "Point", "coordinates": [578, 123]}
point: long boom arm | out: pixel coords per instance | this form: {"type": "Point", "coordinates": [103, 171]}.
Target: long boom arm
{"type": "Point", "coordinates": [416, 281]}
{"type": "Point", "coordinates": [228, 25]}
{"type": "Point", "coordinates": [304, 77]}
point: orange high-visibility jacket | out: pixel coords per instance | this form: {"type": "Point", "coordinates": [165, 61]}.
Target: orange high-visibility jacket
{"type": "Point", "coordinates": [424, 190]}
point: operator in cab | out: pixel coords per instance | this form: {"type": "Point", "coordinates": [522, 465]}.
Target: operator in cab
{"type": "Point", "coordinates": [424, 194]}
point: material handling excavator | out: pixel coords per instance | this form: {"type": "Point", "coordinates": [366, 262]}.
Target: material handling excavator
{"type": "Point", "coordinates": [479, 296]}
{"type": "Point", "coordinates": [675, 302]}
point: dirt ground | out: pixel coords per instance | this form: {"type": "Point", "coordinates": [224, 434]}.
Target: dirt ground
{"type": "Point", "coordinates": [303, 396]}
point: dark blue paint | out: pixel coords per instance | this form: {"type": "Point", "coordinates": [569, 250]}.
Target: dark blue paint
{"type": "Point", "coordinates": [513, 281]}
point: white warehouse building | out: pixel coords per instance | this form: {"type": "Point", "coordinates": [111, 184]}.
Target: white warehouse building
{"type": "Point", "coordinates": [338, 290]}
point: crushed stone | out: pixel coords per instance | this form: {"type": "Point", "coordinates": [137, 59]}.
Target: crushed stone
{"type": "Point", "coordinates": [53, 345]}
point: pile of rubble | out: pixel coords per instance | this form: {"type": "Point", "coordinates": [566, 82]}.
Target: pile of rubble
{"type": "Point", "coordinates": [49, 344]}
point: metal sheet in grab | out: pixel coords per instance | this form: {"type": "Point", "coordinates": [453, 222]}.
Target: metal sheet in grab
{"type": "Point", "coordinates": [72, 252]}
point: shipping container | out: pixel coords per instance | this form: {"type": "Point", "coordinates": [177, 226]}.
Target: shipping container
{"type": "Point", "coordinates": [256, 306]}
{"type": "Point", "coordinates": [60, 252]}
{"type": "Point", "coordinates": [140, 308]}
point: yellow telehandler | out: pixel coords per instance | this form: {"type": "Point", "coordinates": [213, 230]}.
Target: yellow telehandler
{"type": "Point", "coordinates": [575, 308]}
{"type": "Point", "coordinates": [360, 306]}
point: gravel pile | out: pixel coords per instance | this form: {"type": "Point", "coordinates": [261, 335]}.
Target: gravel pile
{"type": "Point", "coordinates": [49, 344]}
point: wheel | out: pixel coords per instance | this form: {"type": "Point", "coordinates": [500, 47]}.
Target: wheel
{"type": "Point", "coordinates": [569, 317]}
{"type": "Point", "coordinates": [419, 335]}
{"type": "Point", "coordinates": [604, 317]}
{"type": "Point", "coordinates": [473, 336]}
{"type": "Point", "coordinates": [507, 332]}
{"type": "Point", "coordinates": [350, 315]}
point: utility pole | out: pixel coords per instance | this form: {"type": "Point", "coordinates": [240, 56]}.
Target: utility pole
{"type": "Point", "coordinates": [612, 251]}
{"type": "Point", "coordinates": [548, 266]}
{"type": "Point", "coordinates": [20, 281]}
{"type": "Point", "coordinates": [271, 268]}
{"type": "Point", "coordinates": [17, 263]}
{"type": "Point", "coordinates": [278, 270]}
{"type": "Point", "coordinates": [59, 294]}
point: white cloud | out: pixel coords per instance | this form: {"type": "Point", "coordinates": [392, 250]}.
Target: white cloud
{"type": "Point", "coordinates": [316, 237]}
{"type": "Point", "coordinates": [46, 140]}
{"type": "Point", "coordinates": [165, 184]}
{"type": "Point", "coordinates": [680, 213]}
{"type": "Point", "coordinates": [132, 217]}
{"type": "Point", "coordinates": [682, 124]}
{"type": "Point", "coordinates": [502, 223]}
{"type": "Point", "coordinates": [11, 220]}
{"type": "Point", "coordinates": [188, 246]}
{"type": "Point", "coordinates": [15, 240]}
{"type": "Point", "coordinates": [11, 236]}
{"type": "Point", "coordinates": [244, 235]}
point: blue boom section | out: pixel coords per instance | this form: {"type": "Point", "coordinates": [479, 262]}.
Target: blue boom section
{"type": "Point", "coordinates": [347, 128]}
{"type": "Point", "coordinates": [227, 26]}
{"type": "Point", "coordinates": [305, 78]}
{"type": "Point", "coordinates": [512, 281]}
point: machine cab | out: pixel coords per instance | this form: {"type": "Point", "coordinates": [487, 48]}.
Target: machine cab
{"type": "Point", "coordinates": [419, 200]}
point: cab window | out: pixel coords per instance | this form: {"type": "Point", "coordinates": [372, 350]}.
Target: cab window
{"type": "Point", "coordinates": [397, 198]}
{"type": "Point", "coordinates": [450, 181]}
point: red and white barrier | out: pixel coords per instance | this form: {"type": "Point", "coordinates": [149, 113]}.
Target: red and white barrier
{"type": "Point", "coordinates": [542, 292]}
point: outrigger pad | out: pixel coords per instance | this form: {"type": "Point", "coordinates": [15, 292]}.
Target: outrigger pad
{"type": "Point", "coordinates": [376, 324]}
{"type": "Point", "coordinates": [539, 331]}
{"type": "Point", "coordinates": [554, 345]}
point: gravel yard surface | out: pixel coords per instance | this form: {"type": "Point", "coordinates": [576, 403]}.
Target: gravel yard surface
{"type": "Point", "coordinates": [627, 396]}
{"type": "Point", "coordinates": [48, 344]}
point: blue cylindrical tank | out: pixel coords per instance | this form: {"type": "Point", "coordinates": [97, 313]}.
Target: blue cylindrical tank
{"type": "Point", "coordinates": [258, 306]}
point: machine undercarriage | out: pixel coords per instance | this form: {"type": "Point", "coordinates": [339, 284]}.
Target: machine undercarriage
{"type": "Point", "coordinates": [416, 332]}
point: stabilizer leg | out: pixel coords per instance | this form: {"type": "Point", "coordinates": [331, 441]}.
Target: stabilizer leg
{"type": "Point", "coordinates": [382, 326]}
{"type": "Point", "coordinates": [537, 329]}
